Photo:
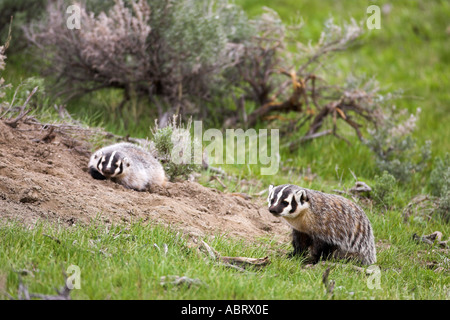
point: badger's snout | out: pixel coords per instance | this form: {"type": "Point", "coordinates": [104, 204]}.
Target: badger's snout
{"type": "Point", "coordinates": [108, 171]}
{"type": "Point", "coordinates": [274, 210]}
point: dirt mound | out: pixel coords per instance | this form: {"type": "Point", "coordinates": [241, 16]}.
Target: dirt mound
{"type": "Point", "coordinates": [43, 175]}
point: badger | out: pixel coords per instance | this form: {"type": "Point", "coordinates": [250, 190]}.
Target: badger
{"type": "Point", "coordinates": [330, 226]}
{"type": "Point", "coordinates": [128, 165]}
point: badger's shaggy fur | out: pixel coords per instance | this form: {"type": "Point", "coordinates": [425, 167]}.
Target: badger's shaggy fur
{"type": "Point", "coordinates": [328, 225]}
{"type": "Point", "coordinates": [128, 165]}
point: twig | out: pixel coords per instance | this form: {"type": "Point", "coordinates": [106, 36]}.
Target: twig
{"type": "Point", "coordinates": [431, 239]}
{"type": "Point", "coordinates": [23, 113]}
{"type": "Point", "coordinates": [242, 195]}
{"type": "Point", "coordinates": [53, 238]}
{"type": "Point", "coordinates": [212, 253]}
{"type": "Point", "coordinates": [177, 280]}
{"type": "Point", "coordinates": [329, 284]}
{"type": "Point", "coordinates": [24, 294]}
{"type": "Point", "coordinates": [237, 261]}
{"type": "Point", "coordinates": [214, 177]}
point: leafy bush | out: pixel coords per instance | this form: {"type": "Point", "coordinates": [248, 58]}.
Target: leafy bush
{"type": "Point", "coordinates": [440, 185]}
{"type": "Point", "coordinates": [440, 176]}
{"type": "Point", "coordinates": [384, 190]}
{"type": "Point", "coordinates": [23, 91]}
{"type": "Point", "coordinates": [395, 149]}
{"type": "Point", "coordinates": [170, 52]}
{"type": "Point", "coordinates": [198, 57]}
{"type": "Point", "coordinates": [174, 147]}
{"type": "Point", "coordinates": [3, 86]}
{"type": "Point", "coordinates": [184, 55]}
{"type": "Point", "coordinates": [444, 205]}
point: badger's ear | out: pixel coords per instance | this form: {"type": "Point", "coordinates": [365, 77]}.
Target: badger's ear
{"type": "Point", "coordinates": [270, 188]}
{"type": "Point", "coordinates": [301, 197]}
{"type": "Point", "coordinates": [126, 162]}
{"type": "Point", "coordinates": [98, 154]}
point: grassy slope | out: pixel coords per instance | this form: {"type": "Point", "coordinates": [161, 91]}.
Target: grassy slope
{"type": "Point", "coordinates": [123, 263]}
{"type": "Point", "coordinates": [410, 52]}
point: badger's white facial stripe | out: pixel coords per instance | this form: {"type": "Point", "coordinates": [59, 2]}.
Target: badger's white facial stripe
{"type": "Point", "coordinates": [100, 163]}
{"type": "Point", "coordinates": [284, 201]}
{"type": "Point", "coordinates": [270, 197]}
{"type": "Point", "coordinates": [288, 208]}
{"type": "Point", "coordinates": [111, 159]}
{"type": "Point", "coordinates": [119, 168]}
{"type": "Point", "coordinates": [279, 195]}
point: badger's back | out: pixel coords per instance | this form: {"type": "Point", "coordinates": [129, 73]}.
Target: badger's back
{"type": "Point", "coordinates": [143, 170]}
{"type": "Point", "coordinates": [341, 222]}
{"type": "Point", "coordinates": [147, 170]}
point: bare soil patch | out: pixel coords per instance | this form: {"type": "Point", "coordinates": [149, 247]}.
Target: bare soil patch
{"type": "Point", "coordinates": [43, 175]}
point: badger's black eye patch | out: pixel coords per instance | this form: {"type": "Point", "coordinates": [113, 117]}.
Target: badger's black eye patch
{"type": "Point", "coordinates": [285, 203]}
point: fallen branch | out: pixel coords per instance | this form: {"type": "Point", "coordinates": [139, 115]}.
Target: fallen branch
{"type": "Point", "coordinates": [214, 177]}
{"type": "Point", "coordinates": [242, 195]}
{"type": "Point", "coordinates": [24, 294]}
{"type": "Point", "coordinates": [22, 112]}
{"type": "Point", "coordinates": [431, 239]}
{"type": "Point", "coordinates": [241, 262]}
{"type": "Point", "coordinates": [360, 187]}
{"type": "Point", "coordinates": [53, 238]}
{"type": "Point", "coordinates": [177, 280]}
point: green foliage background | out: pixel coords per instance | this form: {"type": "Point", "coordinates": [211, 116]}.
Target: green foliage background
{"type": "Point", "coordinates": [409, 54]}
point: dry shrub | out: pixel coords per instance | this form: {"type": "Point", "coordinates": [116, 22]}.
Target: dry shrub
{"type": "Point", "coordinates": [395, 148]}
{"type": "Point", "coordinates": [3, 85]}
{"type": "Point", "coordinates": [171, 53]}
{"type": "Point", "coordinates": [198, 57]}
{"type": "Point", "coordinates": [106, 52]}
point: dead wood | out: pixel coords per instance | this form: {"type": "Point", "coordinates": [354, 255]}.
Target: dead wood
{"type": "Point", "coordinates": [241, 262]}
{"type": "Point", "coordinates": [242, 195]}
{"type": "Point", "coordinates": [22, 111]}
{"type": "Point", "coordinates": [61, 294]}
{"type": "Point", "coordinates": [177, 280]}
{"type": "Point", "coordinates": [360, 188]}
{"type": "Point", "coordinates": [431, 239]}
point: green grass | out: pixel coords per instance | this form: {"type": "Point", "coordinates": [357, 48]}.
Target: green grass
{"type": "Point", "coordinates": [411, 52]}
{"type": "Point", "coordinates": [122, 262]}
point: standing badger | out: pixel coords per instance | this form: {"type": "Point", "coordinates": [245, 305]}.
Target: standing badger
{"type": "Point", "coordinates": [128, 165]}
{"type": "Point", "coordinates": [329, 225]}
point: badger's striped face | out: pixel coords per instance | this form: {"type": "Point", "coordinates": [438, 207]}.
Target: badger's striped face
{"type": "Point", "coordinates": [111, 164]}
{"type": "Point", "coordinates": [287, 201]}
